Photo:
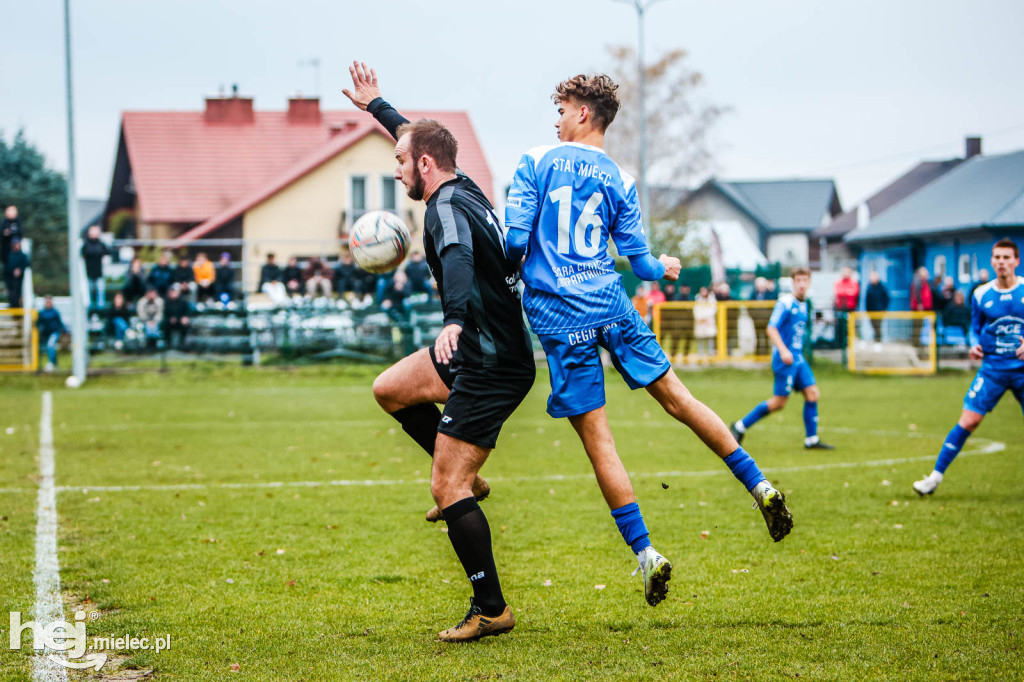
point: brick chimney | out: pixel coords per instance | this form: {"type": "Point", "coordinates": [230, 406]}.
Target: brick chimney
{"type": "Point", "coordinates": [231, 110]}
{"type": "Point", "coordinates": [304, 110]}
{"type": "Point", "coordinates": [973, 147]}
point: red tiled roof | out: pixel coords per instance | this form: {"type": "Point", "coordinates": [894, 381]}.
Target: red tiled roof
{"type": "Point", "coordinates": [187, 170]}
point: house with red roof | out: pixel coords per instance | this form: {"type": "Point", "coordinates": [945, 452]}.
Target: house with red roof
{"type": "Point", "coordinates": [286, 182]}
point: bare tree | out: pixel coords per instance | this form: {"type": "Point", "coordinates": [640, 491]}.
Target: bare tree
{"type": "Point", "coordinates": [678, 124]}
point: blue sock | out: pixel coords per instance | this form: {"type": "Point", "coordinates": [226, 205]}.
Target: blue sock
{"type": "Point", "coordinates": [756, 415]}
{"type": "Point", "coordinates": [744, 468]}
{"type": "Point", "coordinates": [811, 419]}
{"type": "Point", "coordinates": [631, 524]}
{"type": "Point", "coordinates": [951, 448]}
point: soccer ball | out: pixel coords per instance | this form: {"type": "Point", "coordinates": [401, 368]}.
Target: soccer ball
{"type": "Point", "coordinates": [72, 382]}
{"type": "Point", "coordinates": [379, 241]}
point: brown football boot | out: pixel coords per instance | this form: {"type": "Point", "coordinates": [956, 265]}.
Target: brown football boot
{"type": "Point", "coordinates": [476, 625]}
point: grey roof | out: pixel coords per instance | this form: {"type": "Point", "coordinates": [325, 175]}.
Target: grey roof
{"type": "Point", "coordinates": [90, 211]}
{"type": "Point", "coordinates": [899, 189]}
{"type": "Point", "coordinates": [783, 205]}
{"type": "Point", "coordinates": [982, 192]}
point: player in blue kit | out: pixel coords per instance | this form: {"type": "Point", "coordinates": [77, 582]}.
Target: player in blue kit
{"type": "Point", "coordinates": [997, 319]}
{"type": "Point", "coordinates": [786, 332]}
{"type": "Point", "coordinates": [566, 201]}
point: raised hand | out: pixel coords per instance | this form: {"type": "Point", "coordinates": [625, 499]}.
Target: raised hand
{"type": "Point", "coordinates": [364, 85]}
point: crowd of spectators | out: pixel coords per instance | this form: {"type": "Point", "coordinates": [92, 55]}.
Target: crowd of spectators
{"type": "Point", "coordinates": [347, 283]}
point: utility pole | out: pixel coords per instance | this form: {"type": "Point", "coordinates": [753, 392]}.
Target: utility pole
{"type": "Point", "coordinates": [645, 194]}
{"type": "Point", "coordinates": [78, 335]}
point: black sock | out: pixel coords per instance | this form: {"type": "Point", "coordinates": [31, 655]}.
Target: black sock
{"type": "Point", "coordinates": [420, 422]}
{"type": "Point", "coordinates": [471, 537]}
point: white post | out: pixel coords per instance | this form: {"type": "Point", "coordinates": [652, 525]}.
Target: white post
{"type": "Point", "coordinates": [78, 333]}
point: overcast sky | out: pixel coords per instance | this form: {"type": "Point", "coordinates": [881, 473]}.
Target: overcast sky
{"type": "Point", "coordinates": [855, 90]}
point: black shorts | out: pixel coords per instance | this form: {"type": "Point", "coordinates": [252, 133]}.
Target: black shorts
{"type": "Point", "coordinates": [481, 399]}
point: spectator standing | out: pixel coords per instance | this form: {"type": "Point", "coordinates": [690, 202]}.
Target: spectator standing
{"type": "Point", "coordinates": [920, 301]}
{"type": "Point", "coordinates": [685, 293]}
{"type": "Point", "coordinates": [205, 276]}
{"type": "Point", "coordinates": [135, 282]}
{"type": "Point", "coordinates": [178, 313]}
{"type": "Point", "coordinates": [847, 291]}
{"type": "Point", "coordinates": [705, 327]}
{"type": "Point", "coordinates": [17, 264]}
{"type": "Point", "coordinates": [722, 291]}
{"type": "Point", "coordinates": [642, 303]}
{"type": "Point", "coordinates": [224, 285]}
{"type": "Point", "coordinates": [943, 295]}
{"type": "Point", "coordinates": [957, 314]}
{"type": "Point", "coordinates": [876, 300]}
{"type": "Point", "coordinates": [51, 328]}
{"type": "Point", "coordinates": [119, 317]}
{"type": "Point", "coordinates": [161, 276]}
{"type": "Point", "coordinates": [761, 292]}
{"type": "Point", "coordinates": [982, 281]}
{"type": "Point", "coordinates": [671, 293]}
{"type": "Point", "coordinates": [655, 295]}
{"type": "Point", "coordinates": [151, 313]}
{"type": "Point", "coordinates": [11, 230]}
{"type": "Point", "coordinates": [93, 253]}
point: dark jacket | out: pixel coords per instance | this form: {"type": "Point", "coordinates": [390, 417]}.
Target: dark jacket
{"type": "Point", "coordinates": [877, 298]}
{"type": "Point", "coordinates": [126, 312]}
{"type": "Point", "coordinates": [93, 251]}
{"type": "Point", "coordinates": [49, 322]}
{"type": "Point", "coordinates": [160, 278]}
{"type": "Point", "coordinates": [134, 286]}
{"type": "Point", "coordinates": [9, 231]}
{"type": "Point", "coordinates": [957, 316]}
{"type": "Point", "coordinates": [225, 280]}
{"type": "Point", "coordinates": [17, 260]}
{"type": "Point", "coordinates": [270, 272]}
{"type": "Point", "coordinates": [176, 309]}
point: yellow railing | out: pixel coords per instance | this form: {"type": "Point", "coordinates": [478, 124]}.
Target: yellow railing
{"type": "Point", "coordinates": [891, 343]}
{"type": "Point", "coordinates": [703, 333]}
{"type": "Point", "coordinates": [19, 340]}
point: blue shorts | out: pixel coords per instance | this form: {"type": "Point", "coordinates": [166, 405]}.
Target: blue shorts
{"type": "Point", "coordinates": [574, 359]}
{"type": "Point", "coordinates": [789, 378]}
{"type": "Point", "coordinates": [989, 386]}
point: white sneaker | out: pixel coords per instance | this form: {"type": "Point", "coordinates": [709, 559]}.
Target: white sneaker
{"type": "Point", "coordinates": [928, 484]}
{"type": "Point", "coordinates": [657, 571]}
{"type": "Point", "coordinates": [49, 367]}
{"type": "Point", "coordinates": [773, 508]}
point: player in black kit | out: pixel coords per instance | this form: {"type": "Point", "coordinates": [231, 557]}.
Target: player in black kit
{"type": "Point", "coordinates": [481, 365]}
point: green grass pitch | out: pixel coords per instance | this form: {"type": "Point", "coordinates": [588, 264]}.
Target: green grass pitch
{"type": "Point", "coordinates": [171, 522]}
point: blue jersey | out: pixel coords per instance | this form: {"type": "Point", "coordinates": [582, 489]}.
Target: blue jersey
{"type": "Point", "coordinates": [997, 318]}
{"type": "Point", "coordinates": [789, 318]}
{"type": "Point", "coordinates": [571, 198]}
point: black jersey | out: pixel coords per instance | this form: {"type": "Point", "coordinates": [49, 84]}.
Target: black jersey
{"type": "Point", "coordinates": [477, 283]}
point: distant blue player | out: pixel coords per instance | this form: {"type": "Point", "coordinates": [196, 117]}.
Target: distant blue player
{"type": "Point", "coordinates": [997, 318]}
{"type": "Point", "coordinates": [565, 203]}
{"type": "Point", "coordinates": [786, 332]}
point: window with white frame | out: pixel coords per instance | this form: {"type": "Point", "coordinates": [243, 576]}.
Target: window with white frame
{"type": "Point", "coordinates": [357, 197]}
{"type": "Point", "coordinates": [964, 269]}
{"type": "Point", "coordinates": [388, 194]}
{"type": "Point", "coordinates": [939, 266]}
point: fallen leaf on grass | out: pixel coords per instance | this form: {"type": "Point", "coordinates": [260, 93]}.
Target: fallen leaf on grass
{"type": "Point", "coordinates": [599, 587]}
{"type": "Point", "coordinates": [280, 551]}
{"type": "Point", "coordinates": [897, 525]}
{"type": "Point", "coordinates": [546, 583]}
{"type": "Point", "coordinates": [230, 581]}
{"type": "Point", "coordinates": [885, 482]}
{"type": "Point", "coordinates": [704, 534]}
{"type": "Point", "coordinates": [290, 583]}
{"type": "Point", "coordinates": [210, 541]}
{"type": "Point", "coordinates": [741, 570]}
{"type": "Point", "coordinates": [664, 486]}
{"type": "Point", "coordinates": [235, 667]}
{"type": "Point", "coordinates": [835, 557]}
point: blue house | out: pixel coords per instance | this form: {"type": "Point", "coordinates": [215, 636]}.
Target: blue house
{"type": "Point", "coordinates": [948, 226]}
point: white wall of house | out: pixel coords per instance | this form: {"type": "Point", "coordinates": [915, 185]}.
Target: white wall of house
{"type": "Point", "coordinates": [790, 250]}
{"type": "Point", "coordinates": [713, 208]}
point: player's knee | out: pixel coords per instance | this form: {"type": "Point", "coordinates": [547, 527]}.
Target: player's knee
{"type": "Point", "coordinates": [777, 402]}
{"type": "Point", "coordinates": [384, 392]}
{"type": "Point", "coordinates": [812, 394]}
{"type": "Point", "coordinates": [970, 421]}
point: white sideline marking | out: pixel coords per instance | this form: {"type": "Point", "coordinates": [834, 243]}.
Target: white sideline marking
{"type": "Point", "coordinates": [989, 447]}
{"type": "Point", "coordinates": [49, 606]}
